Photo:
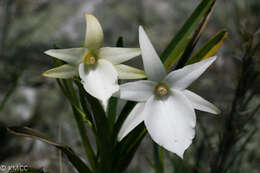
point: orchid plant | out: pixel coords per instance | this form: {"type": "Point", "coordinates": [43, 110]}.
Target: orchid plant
{"type": "Point", "coordinates": [88, 77]}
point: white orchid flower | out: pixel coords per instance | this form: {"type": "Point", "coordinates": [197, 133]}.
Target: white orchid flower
{"type": "Point", "coordinates": [98, 67]}
{"type": "Point", "coordinates": [165, 105]}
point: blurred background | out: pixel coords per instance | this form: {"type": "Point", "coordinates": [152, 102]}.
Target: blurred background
{"type": "Point", "coordinates": [225, 143]}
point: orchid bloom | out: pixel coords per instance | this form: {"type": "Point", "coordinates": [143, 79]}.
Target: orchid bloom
{"type": "Point", "coordinates": [165, 105]}
{"type": "Point", "coordinates": [98, 67]}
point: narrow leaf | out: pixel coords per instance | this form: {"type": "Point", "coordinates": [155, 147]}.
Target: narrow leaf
{"type": "Point", "coordinates": [128, 107]}
{"type": "Point", "coordinates": [30, 133]}
{"type": "Point", "coordinates": [126, 149]}
{"type": "Point", "coordinates": [181, 40]}
{"type": "Point", "coordinates": [112, 110]}
{"type": "Point", "coordinates": [209, 48]}
{"type": "Point", "coordinates": [103, 132]}
{"type": "Point", "coordinates": [195, 38]}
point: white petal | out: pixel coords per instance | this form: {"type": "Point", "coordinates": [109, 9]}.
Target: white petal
{"type": "Point", "coordinates": [182, 78]}
{"type": "Point", "coordinates": [71, 56]}
{"type": "Point", "coordinates": [64, 71]}
{"type": "Point", "coordinates": [171, 122]}
{"type": "Point", "coordinates": [127, 72]}
{"type": "Point", "coordinates": [134, 118]}
{"type": "Point", "coordinates": [118, 55]}
{"type": "Point", "coordinates": [152, 63]}
{"type": "Point", "coordinates": [138, 91]}
{"type": "Point", "coordinates": [200, 103]}
{"type": "Point", "coordinates": [94, 34]}
{"type": "Point", "coordinates": [100, 80]}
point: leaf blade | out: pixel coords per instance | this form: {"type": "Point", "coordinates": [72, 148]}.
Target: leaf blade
{"type": "Point", "coordinates": [30, 133]}
{"type": "Point", "coordinates": [180, 41]}
{"type": "Point", "coordinates": [209, 48]}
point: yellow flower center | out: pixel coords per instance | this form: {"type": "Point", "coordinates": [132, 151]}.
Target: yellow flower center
{"type": "Point", "coordinates": [89, 58]}
{"type": "Point", "coordinates": [161, 89]}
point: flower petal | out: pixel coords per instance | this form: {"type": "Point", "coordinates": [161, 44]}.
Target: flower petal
{"type": "Point", "coordinates": [94, 37]}
{"type": "Point", "coordinates": [171, 122]}
{"type": "Point", "coordinates": [64, 71]}
{"type": "Point", "coordinates": [127, 72]}
{"type": "Point", "coordinates": [182, 78]}
{"type": "Point", "coordinates": [118, 55]}
{"type": "Point", "coordinates": [134, 118]}
{"type": "Point", "coordinates": [100, 80]}
{"type": "Point", "coordinates": [200, 103]}
{"type": "Point", "coordinates": [138, 91]}
{"type": "Point", "coordinates": [152, 63]}
{"type": "Point", "coordinates": [71, 56]}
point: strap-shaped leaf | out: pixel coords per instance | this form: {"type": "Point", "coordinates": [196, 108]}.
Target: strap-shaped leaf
{"type": "Point", "coordinates": [73, 158]}
{"type": "Point", "coordinates": [125, 150]}
{"type": "Point", "coordinates": [181, 40]}
{"type": "Point", "coordinates": [103, 133]}
{"type": "Point", "coordinates": [112, 110]}
{"type": "Point", "coordinates": [194, 40]}
{"type": "Point", "coordinates": [209, 48]}
{"type": "Point", "coordinates": [128, 107]}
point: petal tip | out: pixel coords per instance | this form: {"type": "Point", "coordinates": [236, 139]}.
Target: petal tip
{"type": "Point", "coordinates": [48, 52]}
{"type": "Point", "coordinates": [218, 111]}
{"type": "Point", "coordinates": [46, 74]}
{"type": "Point", "coordinates": [213, 58]}
{"type": "Point", "coordinates": [119, 138]}
{"type": "Point", "coordinates": [88, 15]}
{"type": "Point", "coordinates": [141, 29]}
{"type": "Point", "coordinates": [180, 155]}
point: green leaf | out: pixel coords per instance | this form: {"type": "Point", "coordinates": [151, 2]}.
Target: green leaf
{"type": "Point", "coordinates": [128, 107]}
{"type": "Point", "coordinates": [112, 110]}
{"type": "Point", "coordinates": [125, 149]}
{"type": "Point", "coordinates": [209, 48]}
{"type": "Point", "coordinates": [73, 158]}
{"type": "Point", "coordinates": [158, 157]}
{"type": "Point", "coordinates": [194, 40]}
{"type": "Point", "coordinates": [181, 40]}
{"type": "Point", "coordinates": [152, 165]}
{"type": "Point", "coordinates": [103, 133]}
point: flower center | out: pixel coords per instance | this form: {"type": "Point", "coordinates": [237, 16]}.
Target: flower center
{"type": "Point", "coordinates": [161, 89]}
{"type": "Point", "coordinates": [89, 58]}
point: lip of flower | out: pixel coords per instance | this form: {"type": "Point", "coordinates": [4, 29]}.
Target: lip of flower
{"type": "Point", "coordinates": [165, 95]}
{"type": "Point", "coordinates": [101, 81]}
